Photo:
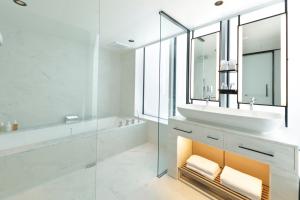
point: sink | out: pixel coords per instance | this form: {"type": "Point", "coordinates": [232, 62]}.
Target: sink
{"type": "Point", "coordinates": [254, 121]}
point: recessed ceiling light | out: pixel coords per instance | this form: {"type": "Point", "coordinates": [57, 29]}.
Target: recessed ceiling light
{"type": "Point", "coordinates": [20, 2]}
{"type": "Point", "coordinates": [219, 3]}
{"type": "Point", "coordinates": [131, 41]}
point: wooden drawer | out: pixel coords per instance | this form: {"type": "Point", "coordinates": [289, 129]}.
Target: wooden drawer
{"type": "Point", "coordinates": [281, 156]}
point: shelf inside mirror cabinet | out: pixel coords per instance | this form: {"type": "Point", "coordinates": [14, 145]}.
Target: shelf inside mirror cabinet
{"type": "Point", "coordinates": [228, 91]}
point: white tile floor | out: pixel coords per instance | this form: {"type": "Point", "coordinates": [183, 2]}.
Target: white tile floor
{"type": "Point", "coordinates": [130, 175]}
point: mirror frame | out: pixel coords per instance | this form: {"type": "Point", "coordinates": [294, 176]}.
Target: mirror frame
{"type": "Point", "coordinates": [239, 66]}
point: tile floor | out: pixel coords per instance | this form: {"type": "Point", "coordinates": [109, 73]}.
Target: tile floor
{"type": "Point", "coordinates": [130, 175]}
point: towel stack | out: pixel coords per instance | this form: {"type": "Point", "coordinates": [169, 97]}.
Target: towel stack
{"type": "Point", "coordinates": [203, 166]}
{"type": "Point", "coordinates": [242, 183]}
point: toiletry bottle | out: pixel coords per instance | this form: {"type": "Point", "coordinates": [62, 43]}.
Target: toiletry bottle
{"type": "Point", "coordinates": [15, 126]}
{"type": "Point", "coordinates": [2, 127]}
{"type": "Point", "coordinates": [8, 127]}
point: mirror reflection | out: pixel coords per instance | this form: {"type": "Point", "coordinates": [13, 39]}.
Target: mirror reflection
{"type": "Point", "coordinates": [262, 58]}
{"type": "Point", "coordinates": [205, 65]}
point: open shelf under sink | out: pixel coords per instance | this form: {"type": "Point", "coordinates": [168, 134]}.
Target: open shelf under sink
{"type": "Point", "coordinates": [195, 179]}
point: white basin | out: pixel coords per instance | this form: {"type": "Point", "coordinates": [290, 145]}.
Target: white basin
{"type": "Point", "coordinates": [255, 121]}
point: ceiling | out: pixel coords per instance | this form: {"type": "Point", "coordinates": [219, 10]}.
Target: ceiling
{"type": "Point", "coordinates": [121, 20]}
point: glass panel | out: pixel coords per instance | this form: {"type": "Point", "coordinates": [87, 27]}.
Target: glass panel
{"type": "Point", "coordinates": [128, 91]}
{"type": "Point", "coordinates": [48, 101]}
{"type": "Point", "coordinates": [167, 84]}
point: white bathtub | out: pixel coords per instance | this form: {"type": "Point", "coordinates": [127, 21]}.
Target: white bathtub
{"type": "Point", "coordinates": [32, 157]}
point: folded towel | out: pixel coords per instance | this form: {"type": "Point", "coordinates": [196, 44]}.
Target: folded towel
{"type": "Point", "coordinates": [242, 183]}
{"type": "Point", "coordinates": [203, 164]}
{"type": "Point", "coordinates": [210, 176]}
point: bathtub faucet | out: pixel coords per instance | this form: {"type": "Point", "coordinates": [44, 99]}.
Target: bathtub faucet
{"type": "Point", "coordinates": [252, 101]}
{"type": "Point", "coordinates": [70, 119]}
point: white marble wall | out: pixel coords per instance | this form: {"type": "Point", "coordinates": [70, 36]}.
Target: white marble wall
{"type": "Point", "coordinates": [45, 70]}
{"type": "Point", "coordinates": [116, 83]}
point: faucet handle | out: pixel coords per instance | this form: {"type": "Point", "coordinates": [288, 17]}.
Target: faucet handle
{"type": "Point", "coordinates": [252, 100]}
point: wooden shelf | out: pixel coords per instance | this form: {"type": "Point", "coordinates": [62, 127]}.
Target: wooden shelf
{"type": "Point", "coordinates": [228, 91]}
{"type": "Point", "coordinates": [193, 179]}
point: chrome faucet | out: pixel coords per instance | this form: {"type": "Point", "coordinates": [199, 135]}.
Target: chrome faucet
{"type": "Point", "coordinates": [208, 98]}
{"type": "Point", "coordinates": [252, 101]}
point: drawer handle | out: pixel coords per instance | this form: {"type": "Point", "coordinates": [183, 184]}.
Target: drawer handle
{"type": "Point", "coordinates": [213, 138]}
{"type": "Point", "coordinates": [256, 151]}
{"type": "Point", "coordinates": [178, 129]}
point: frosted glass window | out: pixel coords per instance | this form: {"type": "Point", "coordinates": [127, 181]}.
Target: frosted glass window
{"type": "Point", "coordinates": [139, 64]}
{"type": "Point", "coordinates": [164, 79]}
{"type": "Point", "coordinates": [181, 70]}
{"type": "Point", "coordinates": [151, 80]}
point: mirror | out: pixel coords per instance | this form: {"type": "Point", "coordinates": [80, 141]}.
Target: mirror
{"type": "Point", "coordinates": [205, 67]}
{"type": "Point", "coordinates": [262, 61]}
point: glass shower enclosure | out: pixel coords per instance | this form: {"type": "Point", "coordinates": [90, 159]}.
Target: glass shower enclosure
{"type": "Point", "coordinates": [48, 101]}
{"type": "Point", "coordinates": [173, 65]}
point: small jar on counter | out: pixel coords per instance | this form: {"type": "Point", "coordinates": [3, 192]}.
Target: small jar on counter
{"type": "Point", "coordinates": [15, 126]}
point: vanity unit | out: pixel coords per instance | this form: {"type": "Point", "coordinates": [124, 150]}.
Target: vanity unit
{"type": "Point", "coordinates": [274, 149]}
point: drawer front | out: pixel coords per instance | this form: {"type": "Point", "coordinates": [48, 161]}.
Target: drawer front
{"type": "Point", "coordinates": [199, 134]}
{"type": "Point", "coordinates": [213, 138]}
{"type": "Point", "coordinates": [277, 155]}
{"type": "Point", "coordinates": [186, 130]}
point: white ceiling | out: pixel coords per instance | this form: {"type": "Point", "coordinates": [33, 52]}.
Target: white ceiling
{"type": "Point", "coordinates": [121, 20]}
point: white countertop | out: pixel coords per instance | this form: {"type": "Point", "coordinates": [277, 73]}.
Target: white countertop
{"type": "Point", "coordinates": [282, 135]}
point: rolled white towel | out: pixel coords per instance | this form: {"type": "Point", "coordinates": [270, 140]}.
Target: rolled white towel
{"type": "Point", "coordinates": [203, 164]}
{"type": "Point", "coordinates": [242, 183]}
{"type": "Point", "coordinates": [210, 176]}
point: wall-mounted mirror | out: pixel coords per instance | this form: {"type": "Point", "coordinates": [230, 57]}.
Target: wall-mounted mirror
{"type": "Point", "coordinates": [205, 67]}
{"type": "Point", "coordinates": [262, 61]}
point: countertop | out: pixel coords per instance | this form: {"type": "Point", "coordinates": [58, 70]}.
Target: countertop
{"type": "Point", "coordinates": [282, 135]}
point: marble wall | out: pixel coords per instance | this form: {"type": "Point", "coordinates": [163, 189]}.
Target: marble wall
{"type": "Point", "coordinates": [116, 83]}
{"type": "Point", "coordinates": [47, 76]}
{"type": "Point", "coordinates": [45, 71]}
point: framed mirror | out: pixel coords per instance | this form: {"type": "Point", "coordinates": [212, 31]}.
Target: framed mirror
{"type": "Point", "coordinates": [262, 61]}
{"type": "Point", "coordinates": [205, 67]}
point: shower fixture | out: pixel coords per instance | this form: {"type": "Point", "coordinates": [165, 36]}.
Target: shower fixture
{"type": "Point", "coordinates": [20, 2]}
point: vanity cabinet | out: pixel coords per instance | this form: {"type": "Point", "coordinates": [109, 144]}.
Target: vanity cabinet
{"type": "Point", "coordinates": [277, 155]}
{"type": "Point", "coordinates": [282, 158]}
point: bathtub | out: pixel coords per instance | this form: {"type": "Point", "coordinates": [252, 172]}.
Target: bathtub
{"type": "Point", "coordinates": [32, 157]}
